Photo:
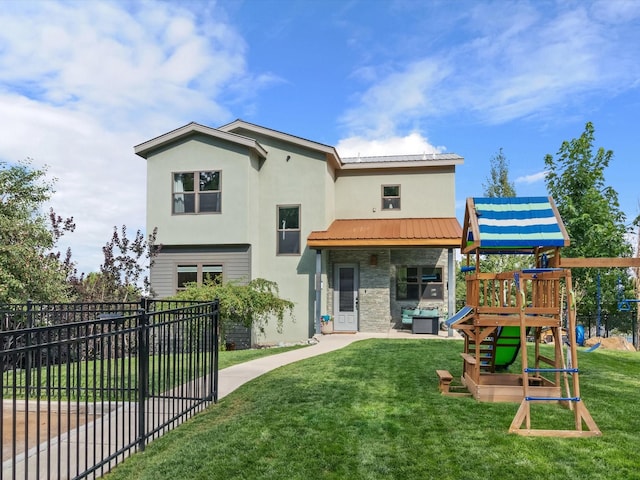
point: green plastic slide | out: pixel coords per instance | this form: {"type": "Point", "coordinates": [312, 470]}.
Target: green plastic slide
{"type": "Point", "coordinates": [507, 346]}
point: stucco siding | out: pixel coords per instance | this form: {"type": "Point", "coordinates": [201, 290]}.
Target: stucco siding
{"type": "Point", "coordinates": [426, 193]}
{"type": "Point", "coordinates": [200, 153]}
{"type": "Point", "coordinates": [262, 169]}
{"type": "Point", "coordinates": [290, 175]}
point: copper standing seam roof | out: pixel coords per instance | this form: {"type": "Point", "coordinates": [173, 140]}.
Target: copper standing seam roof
{"type": "Point", "coordinates": [397, 232]}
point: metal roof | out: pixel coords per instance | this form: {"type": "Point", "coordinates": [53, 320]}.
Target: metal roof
{"type": "Point", "coordinates": [425, 157]}
{"type": "Point", "coordinates": [397, 232]}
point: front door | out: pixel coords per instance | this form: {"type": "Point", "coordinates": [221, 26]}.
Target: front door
{"type": "Point", "coordinates": [345, 298]}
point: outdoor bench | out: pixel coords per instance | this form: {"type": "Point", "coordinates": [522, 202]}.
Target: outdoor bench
{"type": "Point", "coordinates": [422, 320]}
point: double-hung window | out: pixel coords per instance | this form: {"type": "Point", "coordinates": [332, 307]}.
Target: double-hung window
{"type": "Point", "coordinates": [197, 273]}
{"type": "Point", "coordinates": [419, 283]}
{"type": "Point", "coordinates": [390, 197]}
{"type": "Point", "coordinates": [196, 192]}
{"type": "Point", "coordinates": [288, 230]}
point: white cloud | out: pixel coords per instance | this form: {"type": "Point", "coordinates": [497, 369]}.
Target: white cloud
{"type": "Point", "coordinates": [401, 95]}
{"type": "Point", "coordinates": [411, 144]}
{"type": "Point", "coordinates": [99, 181]}
{"type": "Point", "coordinates": [533, 178]}
{"type": "Point", "coordinates": [82, 83]}
{"type": "Point", "coordinates": [614, 12]}
{"type": "Point", "coordinates": [531, 59]}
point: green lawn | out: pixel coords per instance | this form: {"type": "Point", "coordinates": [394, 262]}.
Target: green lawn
{"type": "Point", "coordinates": [372, 410]}
{"type": "Point", "coordinates": [116, 378]}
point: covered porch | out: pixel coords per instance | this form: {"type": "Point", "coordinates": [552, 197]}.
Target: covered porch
{"type": "Point", "coordinates": [369, 270]}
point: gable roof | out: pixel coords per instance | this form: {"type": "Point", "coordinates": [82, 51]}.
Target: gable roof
{"type": "Point", "coordinates": [252, 127]}
{"type": "Point", "coordinates": [397, 232]}
{"type": "Point", "coordinates": [145, 148]}
{"type": "Point", "coordinates": [521, 224]}
{"type": "Point", "coordinates": [228, 132]}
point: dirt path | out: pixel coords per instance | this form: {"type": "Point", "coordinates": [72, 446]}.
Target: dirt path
{"type": "Point", "coordinates": [48, 421]}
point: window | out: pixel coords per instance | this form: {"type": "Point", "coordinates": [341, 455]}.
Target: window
{"type": "Point", "coordinates": [196, 192]}
{"type": "Point", "coordinates": [390, 197]}
{"type": "Point", "coordinates": [288, 230]}
{"type": "Point", "coordinates": [197, 273]}
{"type": "Point", "coordinates": [419, 283]}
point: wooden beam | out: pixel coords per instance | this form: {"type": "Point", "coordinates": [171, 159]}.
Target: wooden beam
{"type": "Point", "coordinates": [599, 262]}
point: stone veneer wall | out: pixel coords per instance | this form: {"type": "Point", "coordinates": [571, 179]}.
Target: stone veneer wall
{"type": "Point", "coordinates": [378, 308]}
{"type": "Point", "coordinates": [436, 257]}
{"type": "Point", "coordinates": [373, 295]}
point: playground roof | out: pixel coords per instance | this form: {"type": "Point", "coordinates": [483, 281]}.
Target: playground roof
{"type": "Point", "coordinates": [513, 224]}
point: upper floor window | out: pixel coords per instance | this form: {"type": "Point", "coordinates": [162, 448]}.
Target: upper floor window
{"type": "Point", "coordinates": [197, 273]}
{"type": "Point", "coordinates": [390, 197]}
{"type": "Point", "coordinates": [196, 192]}
{"type": "Point", "coordinates": [419, 283]}
{"type": "Point", "coordinates": [288, 230]}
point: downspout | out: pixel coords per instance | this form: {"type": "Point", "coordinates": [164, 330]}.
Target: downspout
{"type": "Point", "coordinates": [451, 287]}
{"type": "Point", "coordinates": [318, 282]}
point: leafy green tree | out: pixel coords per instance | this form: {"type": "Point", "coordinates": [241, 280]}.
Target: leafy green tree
{"type": "Point", "coordinates": [461, 286]}
{"type": "Point", "coordinates": [251, 305]}
{"type": "Point", "coordinates": [591, 213]}
{"type": "Point", "coordinates": [30, 267]}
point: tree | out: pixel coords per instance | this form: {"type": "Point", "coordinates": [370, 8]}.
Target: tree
{"type": "Point", "coordinates": [591, 213]}
{"type": "Point", "coordinates": [30, 268]}
{"type": "Point", "coordinates": [636, 290]}
{"type": "Point", "coordinates": [122, 273]}
{"type": "Point", "coordinates": [499, 185]}
{"type": "Point", "coordinates": [251, 305]}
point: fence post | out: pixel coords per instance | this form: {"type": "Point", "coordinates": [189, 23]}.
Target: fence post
{"type": "Point", "coordinates": [143, 372]}
{"type": "Point", "coordinates": [216, 341]}
{"type": "Point", "coordinates": [28, 353]}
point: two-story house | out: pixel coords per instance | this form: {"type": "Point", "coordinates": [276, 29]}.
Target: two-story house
{"type": "Point", "coordinates": [355, 238]}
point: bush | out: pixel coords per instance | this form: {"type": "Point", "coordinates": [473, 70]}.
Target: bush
{"type": "Point", "coordinates": [251, 305]}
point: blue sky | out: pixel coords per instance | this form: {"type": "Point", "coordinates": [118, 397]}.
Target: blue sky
{"type": "Point", "coordinates": [82, 82]}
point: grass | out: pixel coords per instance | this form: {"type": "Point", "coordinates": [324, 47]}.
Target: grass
{"type": "Point", "coordinates": [116, 378]}
{"type": "Point", "coordinates": [373, 411]}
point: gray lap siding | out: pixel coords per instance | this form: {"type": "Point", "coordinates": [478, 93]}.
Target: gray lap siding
{"type": "Point", "coordinates": [235, 261]}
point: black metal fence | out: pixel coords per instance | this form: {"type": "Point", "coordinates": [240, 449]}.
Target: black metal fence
{"type": "Point", "coordinates": [85, 385]}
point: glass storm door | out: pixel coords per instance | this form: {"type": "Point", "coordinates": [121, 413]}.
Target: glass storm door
{"type": "Point", "coordinates": [345, 298]}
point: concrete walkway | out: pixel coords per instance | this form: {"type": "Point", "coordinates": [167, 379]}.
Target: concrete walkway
{"type": "Point", "coordinates": [233, 377]}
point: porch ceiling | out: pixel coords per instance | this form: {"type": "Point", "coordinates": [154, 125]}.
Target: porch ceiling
{"type": "Point", "coordinates": [397, 232]}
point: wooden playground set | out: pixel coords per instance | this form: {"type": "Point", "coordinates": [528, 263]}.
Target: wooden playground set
{"type": "Point", "coordinates": [504, 310]}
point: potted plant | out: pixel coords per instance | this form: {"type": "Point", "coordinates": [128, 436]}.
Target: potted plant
{"type": "Point", "coordinates": [326, 324]}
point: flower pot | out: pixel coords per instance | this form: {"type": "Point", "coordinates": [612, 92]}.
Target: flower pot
{"type": "Point", "coordinates": [326, 327]}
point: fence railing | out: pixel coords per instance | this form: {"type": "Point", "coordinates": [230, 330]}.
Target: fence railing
{"type": "Point", "coordinates": [85, 385]}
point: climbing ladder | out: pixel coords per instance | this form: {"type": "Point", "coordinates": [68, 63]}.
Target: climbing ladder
{"type": "Point", "coordinates": [572, 396]}
{"type": "Point", "coordinates": [498, 350]}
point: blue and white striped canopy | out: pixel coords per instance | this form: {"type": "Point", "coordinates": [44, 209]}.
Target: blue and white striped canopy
{"type": "Point", "coordinates": [518, 222]}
